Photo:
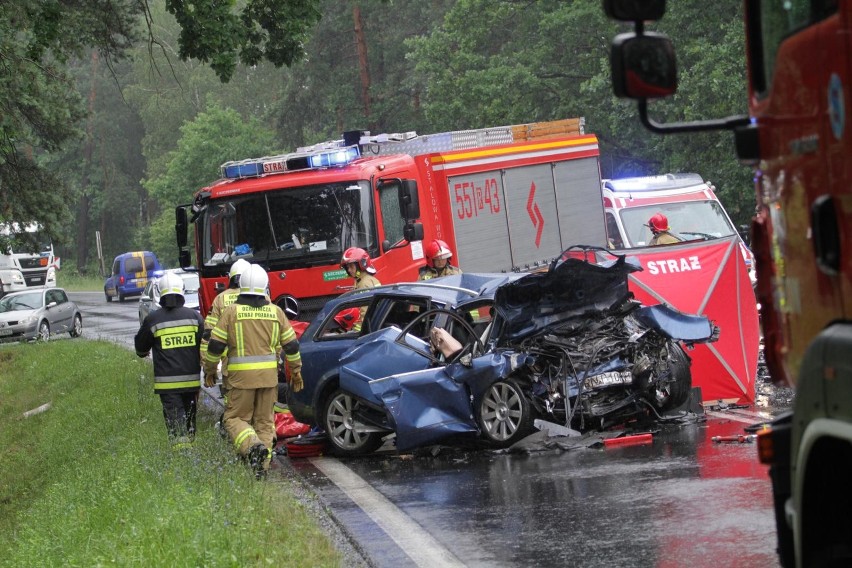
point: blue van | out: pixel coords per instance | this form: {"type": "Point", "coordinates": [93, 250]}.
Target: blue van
{"type": "Point", "coordinates": [131, 271]}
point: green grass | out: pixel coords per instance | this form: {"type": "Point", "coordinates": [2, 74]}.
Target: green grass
{"type": "Point", "coordinates": [93, 481]}
{"type": "Point", "coordinates": [70, 279]}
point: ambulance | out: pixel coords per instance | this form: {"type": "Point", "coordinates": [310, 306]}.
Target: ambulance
{"type": "Point", "coordinates": [687, 200]}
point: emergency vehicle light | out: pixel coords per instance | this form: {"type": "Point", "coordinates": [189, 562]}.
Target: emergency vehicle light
{"type": "Point", "coordinates": [289, 162]}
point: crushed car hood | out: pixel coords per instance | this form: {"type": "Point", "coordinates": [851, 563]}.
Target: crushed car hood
{"type": "Point", "coordinates": [570, 288]}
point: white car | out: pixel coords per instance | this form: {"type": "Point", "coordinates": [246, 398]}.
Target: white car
{"type": "Point", "coordinates": [150, 299]}
{"type": "Point", "coordinates": [37, 314]}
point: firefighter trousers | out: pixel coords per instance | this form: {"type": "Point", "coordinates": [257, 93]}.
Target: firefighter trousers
{"type": "Point", "coordinates": [179, 411]}
{"type": "Point", "coordinates": [250, 418]}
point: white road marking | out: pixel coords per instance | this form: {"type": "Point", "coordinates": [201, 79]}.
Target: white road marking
{"type": "Point", "coordinates": [416, 542]}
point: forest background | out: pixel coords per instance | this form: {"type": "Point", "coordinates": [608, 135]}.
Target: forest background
{"type": "Point", "coordinates": [115, 111]}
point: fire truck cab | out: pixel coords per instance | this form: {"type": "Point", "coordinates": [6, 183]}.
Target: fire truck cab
{"type": "Point", "coordinates": [798, 137]}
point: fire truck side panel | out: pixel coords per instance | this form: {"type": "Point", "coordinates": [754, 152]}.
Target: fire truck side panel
{"type": "Point", "coordinates": [578, 202]}
{"type": "Point", "coordinates": [479, 221]}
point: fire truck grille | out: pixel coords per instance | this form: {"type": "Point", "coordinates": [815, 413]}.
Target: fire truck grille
{"type": "Point", "coordinates": [310, 307]}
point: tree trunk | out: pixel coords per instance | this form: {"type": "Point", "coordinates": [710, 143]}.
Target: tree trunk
{"type": "Point", "coordinates": [363, 64]}
{"type": "Point", "coordinates": [85, 196]}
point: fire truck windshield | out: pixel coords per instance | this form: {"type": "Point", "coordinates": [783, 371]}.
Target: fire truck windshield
{"type": "Point", "coordinates": [288, 228]}
{"type": "Point", "coordinates": [689, 219]}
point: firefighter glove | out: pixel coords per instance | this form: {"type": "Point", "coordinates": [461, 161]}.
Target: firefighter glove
{"type": "Point", "coordinates": [210, 380]}
{"type": "Point", "coordinates": [296, 382]}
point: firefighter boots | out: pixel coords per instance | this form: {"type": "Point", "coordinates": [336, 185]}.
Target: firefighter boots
{"type": "Point", "coordinates": [257, 456]}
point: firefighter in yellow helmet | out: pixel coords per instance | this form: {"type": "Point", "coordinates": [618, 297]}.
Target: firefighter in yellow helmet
{"type": "Point", "coordinates": [227, 297]}
{"type": "Point", "coordinates": [252, 330]}
{"type": "Point", "coordinates": [173, 334]}
{"type": "Point", "coordinates": [357, 264]}
{"type": "Point", "coordinates": [438, 255]}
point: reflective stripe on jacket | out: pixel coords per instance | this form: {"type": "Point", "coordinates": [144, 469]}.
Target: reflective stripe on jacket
{"type": "Point", "coordinates": [173, 335]}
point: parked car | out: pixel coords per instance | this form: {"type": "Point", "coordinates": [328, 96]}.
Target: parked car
{"type": "Point", "coordinates": [38, 314]}
{"type": "Point", "coordinates": [131, 272]}
{"type": "Point", "coordinates": [484, 355]}
{"type": "Point", "coordinates": [150, 298]}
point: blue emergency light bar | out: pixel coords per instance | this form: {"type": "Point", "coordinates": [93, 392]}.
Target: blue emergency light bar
{"type": "Point", "coordinates": [256, 167]}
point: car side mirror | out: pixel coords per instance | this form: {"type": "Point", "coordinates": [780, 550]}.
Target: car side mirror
{"type": "Point", "coordinates": [51, 305]}
{"type": "Point", "coordinates": [643, 66]}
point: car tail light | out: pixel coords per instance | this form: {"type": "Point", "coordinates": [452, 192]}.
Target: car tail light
{"type": "Point", "coordinates": [121, 280]}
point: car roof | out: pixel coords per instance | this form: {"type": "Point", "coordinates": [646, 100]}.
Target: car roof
{"type": "Point", "coordinates": [31, 290]}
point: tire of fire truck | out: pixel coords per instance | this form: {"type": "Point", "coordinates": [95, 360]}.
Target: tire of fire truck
{"type": "Point", "coordinates": [679, 365]}
{"type": "Point", "coordinates": [504, 414]}
{"type": "Point", "coordinates": [338, 421]}
{"type": "Point", "coordinates": [76, 327]}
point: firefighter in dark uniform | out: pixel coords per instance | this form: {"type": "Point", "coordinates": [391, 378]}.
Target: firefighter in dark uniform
{"type": "Point", "coordinates": [173, 333]}
{"type": "Point", "coordinates": [253, 331]}
{"type": "Point", "coordinates": [438, 255]}
{"type": "Point", "coordinates": [357, 264]}
{"type": "Point", "coordinates": [220, 302]}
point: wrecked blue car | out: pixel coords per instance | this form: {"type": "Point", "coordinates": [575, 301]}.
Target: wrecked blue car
{"type": "Point", "coordinates": [570, 346]}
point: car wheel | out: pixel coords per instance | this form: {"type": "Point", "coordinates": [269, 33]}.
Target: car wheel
{"type": "Point", "coordinates": [108, 297]}
{"type": "Point", "coordinates": [77, 327]}
{"type": "Point", "coordinates": [339, 423]}
{"type": "Point", "coordinates": [504, 414]}
{"type": "Point", "coordinates": [120, 297]}
{"type": "Point", "coordinates": [43, 331]}
{"type": "Point", "coordinates": [678, 389]}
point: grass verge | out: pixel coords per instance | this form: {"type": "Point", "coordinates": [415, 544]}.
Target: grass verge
{"type": "Point", "coordinates": [71, 280]}
{"type": "Point", "coordinates": [92, 480]}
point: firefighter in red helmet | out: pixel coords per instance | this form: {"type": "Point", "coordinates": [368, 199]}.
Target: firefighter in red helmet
{"type": "Point", "coordinates": [357, 264]}
{"type": "Point", "coordinates": [438, 255]}
{"type": "Point", "coordinates": [659, 225]}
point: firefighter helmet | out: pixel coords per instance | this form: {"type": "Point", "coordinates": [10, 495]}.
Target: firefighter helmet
{"type": "Point", "coordinates": [358, 256]}
{"type": "Point", "coordinates": [437, 250]}
{"type": "Point", "coordinates": [254, 281]}
{"type": "Point", "coordinates": [346, 318]}
{"type": "Point", "coordinates": [237, 268]}
{"type": "Point", "coordinates": [170, 283]}
{"type": "Point", "coordinates": [658, 222]}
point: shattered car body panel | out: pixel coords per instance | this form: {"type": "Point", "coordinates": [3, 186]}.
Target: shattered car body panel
{"type": "Point", "coordinates": [569, 345]}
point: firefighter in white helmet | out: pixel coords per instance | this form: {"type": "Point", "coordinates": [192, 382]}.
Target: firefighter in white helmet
{"type": "Point", "coordinates": [173, 333]}
{"type": "Point", "coordinates": [438, 255]}
{"type": "Point", "coordinates": [357, 264]}
{"type": "Point", "coordinates": [252, 330]}
{"type": "Point", "coordinates": [227, 297]}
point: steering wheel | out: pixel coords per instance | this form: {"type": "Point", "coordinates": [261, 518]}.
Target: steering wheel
{"type": "Point", "coordinates": [474, 347]}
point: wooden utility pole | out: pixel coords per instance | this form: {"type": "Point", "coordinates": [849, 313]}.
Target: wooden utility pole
{"type": "Point", "coordinates": [85, 194]}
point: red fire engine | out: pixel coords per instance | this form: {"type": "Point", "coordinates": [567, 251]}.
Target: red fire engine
{"type": "Point", "coordinates": [505, 199]}
{"type": "Point", "coordinates": [799, 71]}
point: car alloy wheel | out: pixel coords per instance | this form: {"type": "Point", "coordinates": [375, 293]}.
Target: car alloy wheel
{"type": "Point", "coordinates": [77, 327]}
{"type": "Point", "coordinates": [504, 413]}
{"type": "Point", "coordinates": [340, 425]}
{"type": "Point", "coordinates": [43, 331]}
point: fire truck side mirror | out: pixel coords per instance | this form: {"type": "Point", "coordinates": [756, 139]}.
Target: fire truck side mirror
{"type": "Point", "coordinates": [643, 66]}
{"type": "Point", "coordinates": [181, 226]}
{"type": "Point", "coordinates": [633, 10]}
{"type": "Point", "coordinates": [413, 232]}
{"type": "Point", "coordinates": [184, 258]}
{"type": "Point", "coordinates": [409, 204]}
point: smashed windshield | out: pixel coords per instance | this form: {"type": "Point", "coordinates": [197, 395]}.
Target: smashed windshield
{"type": "Point", "coordinates": [688, 219]}
{"type": "Point", "coordinates": [289, 228]}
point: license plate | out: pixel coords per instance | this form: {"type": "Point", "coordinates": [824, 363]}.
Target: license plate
{"type": "Point", "coordinates": [5, 332]}
{"type": "Point", "coordinates": [608, 379]}
{"type": "Point", "coordinates": [36, 279]}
